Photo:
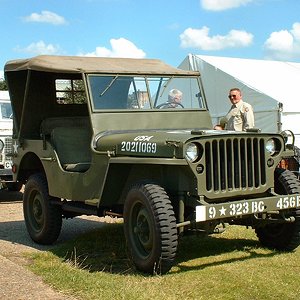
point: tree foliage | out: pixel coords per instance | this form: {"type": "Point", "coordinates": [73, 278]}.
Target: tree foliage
{"type": "Point", "coordinates": [75, 92]}
{"type": "Point", "coordinates": [3, 85]}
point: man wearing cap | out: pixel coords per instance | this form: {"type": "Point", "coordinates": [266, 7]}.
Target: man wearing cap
{"type": "Point", "coordinates": [240, 116]}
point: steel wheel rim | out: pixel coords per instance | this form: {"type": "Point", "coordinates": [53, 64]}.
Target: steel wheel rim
{"type": "Point", "coordinates": [142, 230]}
{"type": "Point", "coordinates": [37, 213]}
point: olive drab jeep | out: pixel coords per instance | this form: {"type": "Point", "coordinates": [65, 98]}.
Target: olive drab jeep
{"type": "Point", "coordinates": [102, 136]}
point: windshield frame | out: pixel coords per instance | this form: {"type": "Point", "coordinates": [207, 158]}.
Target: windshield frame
{"type": "Point", "coordinates": [154, 89]}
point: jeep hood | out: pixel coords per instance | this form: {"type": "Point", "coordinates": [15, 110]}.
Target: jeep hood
{"type": "Point", "coordinates": [152, 143]}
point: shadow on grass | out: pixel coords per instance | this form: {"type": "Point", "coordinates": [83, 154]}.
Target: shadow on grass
{"type": "Point", "coordinates": [98, 250]}
{"type": "Point", "coordinates": [105, 250]}
{"type": "Point", "coordinates": [192, 247]}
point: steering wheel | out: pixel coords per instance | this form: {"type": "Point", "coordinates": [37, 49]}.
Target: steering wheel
{"type": "Point", "coordinates": [169, 105]}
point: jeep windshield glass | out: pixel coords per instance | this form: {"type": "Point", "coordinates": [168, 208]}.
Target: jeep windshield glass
{"type": "Point", "coordinates": [108, 86]}
{"type": "Point", "coordinates": [144, 92]}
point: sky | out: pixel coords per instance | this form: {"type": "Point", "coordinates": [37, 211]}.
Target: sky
{"type": "Point", "coordinates": [164, 29]}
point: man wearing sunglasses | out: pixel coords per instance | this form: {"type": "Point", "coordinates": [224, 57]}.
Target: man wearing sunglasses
{"type": "Point", "coordinates": [240, 116]}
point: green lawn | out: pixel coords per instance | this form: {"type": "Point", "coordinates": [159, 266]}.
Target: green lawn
{"type": "Point", "coordinates": [227, 266]}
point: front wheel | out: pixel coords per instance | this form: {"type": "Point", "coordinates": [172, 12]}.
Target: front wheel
{"type": "Point", "coordinates": [150, 228]}
{"type": "Point", "coordinates": [286, 236]}
{"type": "Point", "coordinates": [43, 219]}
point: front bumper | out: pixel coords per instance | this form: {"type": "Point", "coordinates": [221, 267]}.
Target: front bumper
{"type": "Point", "coordinates": [240, 208]}
{"type": "Point", "coordinates": [5, 172]}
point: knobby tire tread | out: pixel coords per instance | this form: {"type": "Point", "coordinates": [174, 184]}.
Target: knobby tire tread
{"type": "Point", "coordinates": [288, 238]}
{"type": "Point", "coordinates": [53, 220]}
{"type": "Point", "coordinates": [165, 223]}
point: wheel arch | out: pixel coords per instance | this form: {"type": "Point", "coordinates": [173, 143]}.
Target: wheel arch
{"type": "Point", "coordinates": [172, 177]}
{"type": "Point", "coordinates": [30, 164]}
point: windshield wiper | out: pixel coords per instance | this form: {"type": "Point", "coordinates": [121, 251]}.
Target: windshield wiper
{"type": "Point", "coordinates": [165, 85]}
{"type": "Point", "coordinates": [109, 85]}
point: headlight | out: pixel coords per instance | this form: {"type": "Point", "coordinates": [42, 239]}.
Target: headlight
{"type": "Point", "coordinates": [1, 145]}
{"type": "Point", "coordinates": [271, 146]}
{"type": "Point", "coordinates": [191, 152]}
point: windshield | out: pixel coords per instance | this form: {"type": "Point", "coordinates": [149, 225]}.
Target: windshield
{"type": "Point", "coordinates": [137, 92]}
{"type": "Point", "coordinates": [5, 110]}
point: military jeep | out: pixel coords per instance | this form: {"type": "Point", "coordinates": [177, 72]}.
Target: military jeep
{"type": "Point", "coordinates": [100, 136]}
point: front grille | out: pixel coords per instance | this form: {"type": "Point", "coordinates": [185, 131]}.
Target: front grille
{"type": "Point", "coordinates": [8, 145]}
{"type": "Point", "coordinates": [235, 163]}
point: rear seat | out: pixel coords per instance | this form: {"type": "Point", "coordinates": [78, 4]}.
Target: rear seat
{"type": "Point", "coordinates": [71, 138]}
{"type": "Point", "coordinates": [49, 124]}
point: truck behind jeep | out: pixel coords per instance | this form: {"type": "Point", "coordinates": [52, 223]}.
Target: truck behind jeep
{"type": "Point", "coordinates": [101, 136]}
{"type": "Point", "coordinates": [6, 126]}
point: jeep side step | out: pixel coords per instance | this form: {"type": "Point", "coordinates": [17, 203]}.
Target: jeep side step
{"type": "Point", "coordinates": [77, 208]}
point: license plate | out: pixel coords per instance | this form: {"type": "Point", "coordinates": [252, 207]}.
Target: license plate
{"type": "Point", "coordinates": [8, 164]}
{"type": "Point", "coordinates": [246, 207]}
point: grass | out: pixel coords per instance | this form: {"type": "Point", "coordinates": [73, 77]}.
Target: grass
{"type": "Point", "coordinates": [231, 265]}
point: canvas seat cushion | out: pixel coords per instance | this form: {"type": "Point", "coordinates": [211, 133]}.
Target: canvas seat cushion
{"type": "Point", "coordinates": [73, 147]}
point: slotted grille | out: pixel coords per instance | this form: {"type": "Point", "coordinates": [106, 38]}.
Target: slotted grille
{"type": "Point", "coordinates": [237, 163]}
{"type": "Point", "coordinates": [8, 145]}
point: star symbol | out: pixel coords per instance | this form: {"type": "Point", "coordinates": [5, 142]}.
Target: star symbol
{"type": "Point", "coordinates": [15, 146]}
{"type": "Point", "coordinates": [222, 211]}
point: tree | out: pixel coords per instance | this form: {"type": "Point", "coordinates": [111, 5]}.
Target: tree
{"type": "Point", "coordinates": [73, 92]}
{"type": "Point", "coordinates": [3, 85]}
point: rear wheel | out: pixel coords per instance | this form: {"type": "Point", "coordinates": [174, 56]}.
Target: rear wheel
{"type": "Point", "coordinates": [43, 219]}
{"type": "Point", "coordinates": [150, 228]}
{"type": "Point", "coordinates": [284, 236]}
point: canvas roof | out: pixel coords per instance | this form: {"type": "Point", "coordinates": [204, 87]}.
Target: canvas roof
{"type": "Point", "coordinates": [79, 64]}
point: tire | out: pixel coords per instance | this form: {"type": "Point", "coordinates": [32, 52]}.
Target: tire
{"type": "Point", "coordinates": [14, 186]}
{"type": "Point", "coordinates": [284, 236]}
{"type": "Point", "coordinates": [150, 228]}
{"type": "Point", "coordinates": [42, 218]}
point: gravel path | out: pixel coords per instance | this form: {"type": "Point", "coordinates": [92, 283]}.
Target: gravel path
{"type": "Point", "coordinates": [16, 281]}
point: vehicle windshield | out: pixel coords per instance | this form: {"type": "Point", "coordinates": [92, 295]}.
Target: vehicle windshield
{"type": "Point", "coordinates": [5, 110]}
{"type": "Point", "coordinates": [144, 92]}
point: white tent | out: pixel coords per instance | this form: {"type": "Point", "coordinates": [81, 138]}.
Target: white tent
{"type": "Point", "coordinates": [271, 87]}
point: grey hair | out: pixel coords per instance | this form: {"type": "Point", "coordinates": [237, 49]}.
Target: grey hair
{"type": "Point", "coordinates": [173, 93]}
